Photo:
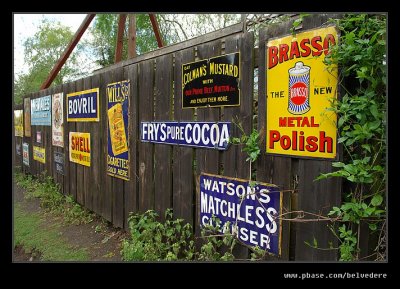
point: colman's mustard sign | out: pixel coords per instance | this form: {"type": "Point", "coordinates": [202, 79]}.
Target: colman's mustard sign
{"type": "Point", "coordinates": [300, 88]}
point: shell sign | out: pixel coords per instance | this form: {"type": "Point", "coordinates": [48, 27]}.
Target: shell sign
{"type": "Point", "coordinates": [79, 148]}
{"type": "Point", "coordinates": [300, 89]}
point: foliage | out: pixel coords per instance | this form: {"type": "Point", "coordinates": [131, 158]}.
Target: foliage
{"type": "Point", "coordinates": [52, 200]}
{"type": "Point", "coordinates": [249, 144]}
{"type": "Point", "coordinates": [104, 33]}
{"type": "Point", "coordinates": [361, 54]}
{"type": "Point", "coordinates": [173, 28]}
{"type": "Point", "coordinates": [30, 233]}
{"type": "Point", "coordinates": [41, 51]}
{"type": "Point", "coordinates": [152, 240]}
{"type": "Point", "coordinates": [171, 240]}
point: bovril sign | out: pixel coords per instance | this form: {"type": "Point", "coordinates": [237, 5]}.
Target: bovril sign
{"type": "Point", "coordinates": [300, 89]}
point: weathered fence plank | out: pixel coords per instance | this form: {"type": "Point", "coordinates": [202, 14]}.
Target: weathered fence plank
{"type": "Point", "coordinates": [118, 184]}
{"type": "Point", "coordinates": [88, 178]}
{"type": "Point", "coordinates": [80, 127]}
{"type": "Point", "coordinates": [95, 150]}
{"type": "Point", "coordinates": [107, 181]}
{"type": "Point", "coordinates": [162, 153]}
{"type": "Point", "coordinates": [130, 188]}
{"type": "Point", "coordinates": [146, 150]}
{"type": "Point", "coordinates": [183, 178]}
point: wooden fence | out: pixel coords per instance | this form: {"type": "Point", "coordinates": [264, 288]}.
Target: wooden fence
{"type": "Point", "coordinates": [164, 176]}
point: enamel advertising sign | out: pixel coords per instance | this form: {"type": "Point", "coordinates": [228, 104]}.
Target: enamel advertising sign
{"type": "Point", "coordinates": [41, 111]}
{"type": "Point", "coordinates": [252, 211]}
{"type": "Point", "coordinates": [27, 116]}
{"type": "Point", "coordinates": [83, 105]}
{"type": "Point", "coordinates": [79, 148]}
{"type": "Point", "coordinates": [213, 135]}
{"type": "Point", "coordinates": [58, 120]}
{"type": "Point", "coordinates": [118, 122]}
{"type": "Point", "coordinates": [59, 162]}
{"type": "Point", "coordinates": [19, 122]}
{"type": "Point", "coordinates": [300, 89]}
{"type": "Point", "coordinates": [39, 154]}
{"type": "Point", "coordinates": [25, 153]}
{"type": "Point", "coordinates": [212, 82]}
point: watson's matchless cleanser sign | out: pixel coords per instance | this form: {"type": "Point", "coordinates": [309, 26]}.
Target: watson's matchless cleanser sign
{"type": "Point", "coordinates": [83, 105]}
{"type": "Point", "coordinates": [211, 82]}
{"type": "Point", "coordinates": [79, 148]}
{"type": "Point", "coordinates": [118, 123]}
{"type": "Point", "coordinates": [41, 111]}
{"type": "Point", "coordinates": [253, 219]}
{"type": "Point", "coordinates": [300, 88]}
{"type": "Point", "coordinates": [196, 134]}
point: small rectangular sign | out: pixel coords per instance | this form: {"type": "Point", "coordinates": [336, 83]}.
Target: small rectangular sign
{"type": "Point", "coordinates": [38, 136]}
{"type": "Point", "coordinates": [58, 120]}
{"type": "Point", "coordinates": [25, 153]}
{"type": "Point", "coordinates": [211, 82]}
{"type": "Point", "coordinates": [252, 211]}
{"type": "Point", "coordinates": [79, 148]}
{"type": "Point", "coordinates": [214, 135]}
{"type": "Point", "coordinates": [19, 122]}
{"type": "Point", "coordinates": [27, 116]}
{"type": "Point", "coordinates": [301, 88]}
{"type": "Point", "coordinates": [39, 154]}
{"type": "Point", "coordinates": [59, 162]}
{"type": "Point", "coordinates": [118, 94]}
{"type": "Point", "coordinates": [18, 147]}
{"type": "Point", "coordinates": [41, 111]}
{"type": "Point", "coordinates": [83, 105]}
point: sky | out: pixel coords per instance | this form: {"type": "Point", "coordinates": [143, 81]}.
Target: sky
{"type": "Point", "coordinates": [25, 25]}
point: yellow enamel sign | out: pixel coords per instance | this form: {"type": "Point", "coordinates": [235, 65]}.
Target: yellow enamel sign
{"type": "Point", "coordinates": [117, 129]}
{"type": "Point", "coordinates": [79, 148]}
{"type": "Point", "coordinates": [300, 88]}
{"type": "Point", "coordinates": [19, 122]}
{"type": "Point", "coordinates": [39, 154]}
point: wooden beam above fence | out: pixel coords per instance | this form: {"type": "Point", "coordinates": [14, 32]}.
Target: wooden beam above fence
{"type": "Point", "coordinates": [120, 38]}
{"type": "Point", "coordinates": [224, 32]}
{"type": "Point", "coordinates": [156, 30]}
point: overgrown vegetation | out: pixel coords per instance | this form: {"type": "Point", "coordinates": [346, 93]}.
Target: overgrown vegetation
{"type": "Point", "coordinates": [52, 200]}
{"type": "Point", "coordinates": [361, 57]}
{"type": "Point", "coordinates": [171, 240]}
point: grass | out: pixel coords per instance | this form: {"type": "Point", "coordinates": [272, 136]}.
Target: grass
{"type": "Point", "coordinates": [30, 232]}
{"type": "Point", "coordinates": [51, 200]}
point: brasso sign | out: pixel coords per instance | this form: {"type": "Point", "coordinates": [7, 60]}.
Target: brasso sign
{"type": "Point", "coordinates": [197, 134]}
{"type": "Point", "coordinates": [300, 89]}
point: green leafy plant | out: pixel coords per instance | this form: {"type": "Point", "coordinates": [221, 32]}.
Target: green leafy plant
{"type": "Point", "coordinates": [152, 240]}
{"type": "Point", "coordinates": [361, 55]}
{"type": "Point", "coordinates": [249, 145]}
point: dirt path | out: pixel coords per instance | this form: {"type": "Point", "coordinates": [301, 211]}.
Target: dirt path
{"type": "Point", "coordinates": [101, 241]}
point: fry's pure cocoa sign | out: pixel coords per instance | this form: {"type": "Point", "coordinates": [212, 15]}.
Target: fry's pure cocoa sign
{"type": "Point", "coordinates": [300, 88]}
